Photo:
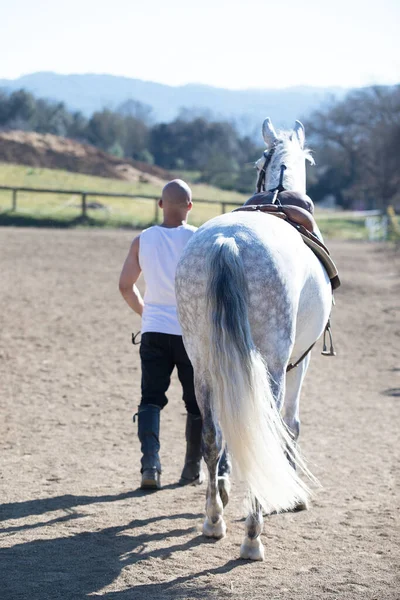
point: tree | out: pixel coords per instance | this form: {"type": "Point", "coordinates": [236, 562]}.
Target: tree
{"type": "Point", "coordinates": [135, 137]}
{"type": "Point", "coordinates": [52, 117]}
{"type": "Point", "coordinates": [3, 107]}
{"type": "Point", "coordinates": [358, 144]}
{"type": "Point", "coordinates": [105, 128]}
{"type": "Point", "coordinates": [77, 129]}
{"type": "Point", "coordinates": [140, 111]}
{"type": "Point", "coordinates": [20, 110]}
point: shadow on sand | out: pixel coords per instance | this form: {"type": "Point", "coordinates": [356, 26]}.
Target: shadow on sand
{"type": "Point", "coordinates": [75, 566]}
{"type": "Point", "coordinates": [13, 219]}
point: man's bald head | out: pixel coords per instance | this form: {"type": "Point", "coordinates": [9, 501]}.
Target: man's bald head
{"type": "Point", "coordinates": [176, 193]}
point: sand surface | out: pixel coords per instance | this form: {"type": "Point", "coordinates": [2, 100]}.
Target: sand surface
{"type": "Point", "coordinates": [74, 524]}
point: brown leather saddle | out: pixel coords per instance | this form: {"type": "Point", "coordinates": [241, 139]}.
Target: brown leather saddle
{"type": "Point", "coordinates": [296, 209]}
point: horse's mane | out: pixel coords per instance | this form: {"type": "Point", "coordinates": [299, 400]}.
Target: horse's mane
{"type": "Point", "coordinates": [290, 145]}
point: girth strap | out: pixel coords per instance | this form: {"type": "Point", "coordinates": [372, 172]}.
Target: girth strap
{"type": "Point", "coordinates": [302, 357]}
{"type": "Point", "coordinates": [325, 351]}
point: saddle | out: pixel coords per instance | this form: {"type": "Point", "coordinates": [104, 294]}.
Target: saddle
{"type": "Point", "coordinates": [296, 209]}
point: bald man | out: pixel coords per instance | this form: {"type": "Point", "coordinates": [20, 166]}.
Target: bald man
{"type": "Point", "coordinates": [155, 253]}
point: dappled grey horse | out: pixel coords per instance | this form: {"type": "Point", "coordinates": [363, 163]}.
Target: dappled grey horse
{"type": "Point", "coordinates": [252, 299]}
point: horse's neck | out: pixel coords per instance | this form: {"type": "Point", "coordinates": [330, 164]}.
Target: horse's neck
{"type": "Point", "coordinates": [294, 177]}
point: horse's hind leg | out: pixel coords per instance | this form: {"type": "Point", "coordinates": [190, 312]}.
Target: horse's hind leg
{"type": "Point", "coordinates": [252, 548]}
{"type": "Point", "coordinates": [214, 524]}
{"type": "Point", "coordinates": [224, 471]}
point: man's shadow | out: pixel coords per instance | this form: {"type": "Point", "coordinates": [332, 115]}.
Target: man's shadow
{"type": "Point", "coordinates": [71, 568]}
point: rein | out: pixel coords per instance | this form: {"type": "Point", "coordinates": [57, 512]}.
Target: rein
{"type": "Point", "coordinates": [262, 176]}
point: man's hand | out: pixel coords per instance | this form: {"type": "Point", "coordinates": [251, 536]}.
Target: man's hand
{"type": "Point", "coordinates": [129, 276]}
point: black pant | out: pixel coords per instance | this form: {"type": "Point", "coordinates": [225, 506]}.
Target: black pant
{"type": "Point", "coordinates": [159, 354]}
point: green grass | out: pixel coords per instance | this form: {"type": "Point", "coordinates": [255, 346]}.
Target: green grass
{"type": "Point", "coordinates": [64, 210]}
{"type": "Point", "coordinates": [342, 228]}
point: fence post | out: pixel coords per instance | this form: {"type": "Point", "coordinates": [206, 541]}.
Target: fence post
{"type": "Point", "coordinates": [14, 200]}
{"type": "Point", "coordinates": [156, 212]}
{"type": "Point", "coordinates": [84, 208]}
{"type": "Point", "coordinates": [223, 204]}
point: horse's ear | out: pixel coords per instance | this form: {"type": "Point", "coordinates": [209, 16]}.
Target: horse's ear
{"type": "Point", "coordinates": [300, 133]}
{"type": "Point", "coordinates": [269, 133]}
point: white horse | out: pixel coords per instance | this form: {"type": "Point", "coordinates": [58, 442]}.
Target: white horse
{"type": "Point", "coordinates": [252, 299]}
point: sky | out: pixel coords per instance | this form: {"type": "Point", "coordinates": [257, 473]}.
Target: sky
{"type": "Point", "coordinates": [231, 44]}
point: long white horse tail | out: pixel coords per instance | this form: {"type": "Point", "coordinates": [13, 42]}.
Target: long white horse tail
{"type": "Point", "coordinates": [241, 396]}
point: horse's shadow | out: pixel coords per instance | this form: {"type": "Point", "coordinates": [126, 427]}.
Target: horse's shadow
{"type": "Point", "coordinates": [181, 587]}
{"type": "Point", "coordinates": [73, 567]}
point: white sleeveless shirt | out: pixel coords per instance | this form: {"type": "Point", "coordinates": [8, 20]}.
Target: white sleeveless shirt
{"type": "Point", "coordinates": [160, 249]}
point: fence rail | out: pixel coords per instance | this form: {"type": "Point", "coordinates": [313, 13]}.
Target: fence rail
{"type": "Point", "coordinates": [85, 194]}
{"type": "Point", "coordinates": [377, 223]}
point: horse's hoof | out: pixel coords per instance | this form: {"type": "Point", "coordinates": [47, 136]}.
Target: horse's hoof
{"type": "Point", "coordinates": [214, 530]}
{"type": "Point", "coordinates": [224, 488]}
{"type": "Point", "coordinates": [252, 549]}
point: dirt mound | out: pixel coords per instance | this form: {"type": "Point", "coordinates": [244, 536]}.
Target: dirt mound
{"type": "Point", "coordinates": [54, 152]}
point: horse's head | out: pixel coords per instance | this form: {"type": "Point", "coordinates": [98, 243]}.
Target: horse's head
{"type": "Point", "coordinates": [284, 160]}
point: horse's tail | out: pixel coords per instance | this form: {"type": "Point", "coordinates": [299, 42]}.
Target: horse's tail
{"type": "Point", "coordinates": [241, 396]}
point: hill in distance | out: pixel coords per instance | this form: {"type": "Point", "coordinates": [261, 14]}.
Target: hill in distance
{"type": "Point", "coordinates": [91, 92]}
{"type": "Point", "coordinates": [54, 152]}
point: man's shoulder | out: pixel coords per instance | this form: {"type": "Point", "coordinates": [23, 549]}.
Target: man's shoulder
{"type": "Point", "coordinates": [191, 228]}
{"type": "Point", "coordinates": [151, 228]}
{"type": "Point", "coordinates": [149, 231]}
{"type": "Point", "coordinates": [156, 232]}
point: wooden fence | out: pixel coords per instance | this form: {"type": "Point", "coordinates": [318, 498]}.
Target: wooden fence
{"type": "Point", "coordinates": [84, 195]}
{"type": "Point", "coordinates": [378, 225]}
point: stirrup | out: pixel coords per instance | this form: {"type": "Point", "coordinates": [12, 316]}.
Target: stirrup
{"type": "Point", "coordinates": [331, 351]}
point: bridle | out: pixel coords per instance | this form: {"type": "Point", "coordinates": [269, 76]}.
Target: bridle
{"type": "Point", "coordinates": [262, 175]}
{"type": "Point", "coordinates": [275, 200]}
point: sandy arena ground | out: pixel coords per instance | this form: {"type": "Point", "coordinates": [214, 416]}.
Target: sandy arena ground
{"type": "Point", "coordinates": [74, 524]}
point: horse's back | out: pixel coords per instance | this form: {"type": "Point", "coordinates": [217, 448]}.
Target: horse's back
{"type": "Point", "coordinates": [272, 251]}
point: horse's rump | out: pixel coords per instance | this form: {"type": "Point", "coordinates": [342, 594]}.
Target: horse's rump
{"type": "Point", "coordinates": [277, 265]}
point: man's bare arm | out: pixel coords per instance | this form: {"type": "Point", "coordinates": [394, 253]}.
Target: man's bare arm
{"type": "Point", "coordinates": [129, 276]}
